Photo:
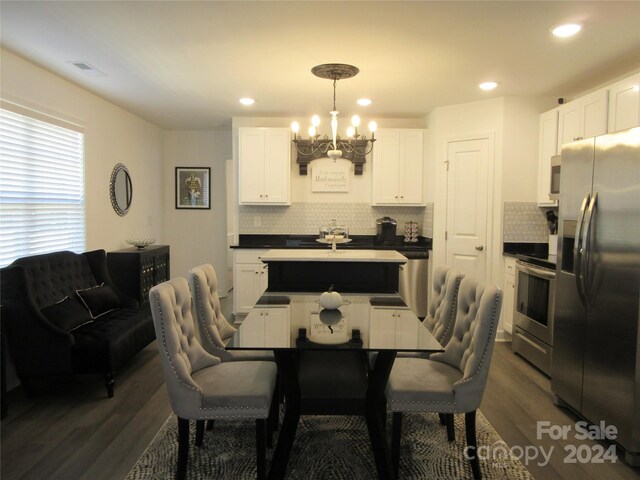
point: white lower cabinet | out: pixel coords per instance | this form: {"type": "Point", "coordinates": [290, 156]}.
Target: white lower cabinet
{"type": "Point", "coordinates": [392, 328]}
{"type": "Point", "coordinates": [269, 327]}
{"type": "Point", "coordinates": [250, 279]}
{"type": "Point", "coordinates": [508, 298]}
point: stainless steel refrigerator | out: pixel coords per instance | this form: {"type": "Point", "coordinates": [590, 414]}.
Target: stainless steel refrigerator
{"type": "Point", "coordinates": [595, 367]}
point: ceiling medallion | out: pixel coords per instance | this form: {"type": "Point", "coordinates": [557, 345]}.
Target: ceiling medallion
{"type": "Point", "coordinates": [355, 147]}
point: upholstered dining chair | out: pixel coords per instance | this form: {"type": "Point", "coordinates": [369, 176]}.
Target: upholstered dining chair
{"type": "Point", "coordinates": [441, 318]}
{"type": "Point", "coordinates": [201, 387]}
{"type": "Point", "coordinates": [213, 329]}
{"type": "Point", "coordinates": [452, 381]}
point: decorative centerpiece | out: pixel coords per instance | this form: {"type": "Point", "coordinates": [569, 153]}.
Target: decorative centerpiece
{"type": "Point", "coordinates": [334, 234]}
{"type": "Point", "coordinates": [140, 242]}
{"type": "Point", "coordinates": [330, 299]}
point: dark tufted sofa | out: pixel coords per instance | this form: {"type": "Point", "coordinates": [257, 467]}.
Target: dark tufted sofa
{"type": "Point", "coordinates": [40, 348]}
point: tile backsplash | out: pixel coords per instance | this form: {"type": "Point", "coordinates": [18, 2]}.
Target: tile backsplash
{"type": "Point", "coordinates": [525, 222]}
{"type": "Point", "coordinates": [306, 218]}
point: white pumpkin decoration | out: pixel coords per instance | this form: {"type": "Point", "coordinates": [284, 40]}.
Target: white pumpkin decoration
{"type": "Point", "coordinates": [330, 299]}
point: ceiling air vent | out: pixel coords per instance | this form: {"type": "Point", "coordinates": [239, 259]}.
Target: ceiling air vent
{"type": "Point", "coordinates": [88, 69]}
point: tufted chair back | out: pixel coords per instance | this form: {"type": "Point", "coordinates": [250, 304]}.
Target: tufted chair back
{"type": "Point", "coordinates": [441, 315]}
{"type": "Point", "coordinates": [471, 346]}
{"type": "Point", "coordinates": [181, 353]}
{"type": "Point", "coordinates": [213, 327]}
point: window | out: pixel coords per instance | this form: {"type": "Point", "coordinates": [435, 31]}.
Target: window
{"type": "Point", "coordinates": [41, 185]}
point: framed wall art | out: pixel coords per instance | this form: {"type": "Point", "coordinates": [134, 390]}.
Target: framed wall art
{"type": "Point", "coordinates": [193, 187]}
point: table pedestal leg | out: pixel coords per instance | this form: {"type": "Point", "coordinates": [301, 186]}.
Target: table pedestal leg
{"type": "Point", "coordinates": [376, 413]}
{"type": "Point", "coordinates": [286, 361]}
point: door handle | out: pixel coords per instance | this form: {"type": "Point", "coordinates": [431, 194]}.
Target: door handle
{"type": "Point", "coordinates": [578, 247]}
{"type": "Point", "coordinates": [586, 243]}
{"type": "Point", "coordinates": [479, 248]}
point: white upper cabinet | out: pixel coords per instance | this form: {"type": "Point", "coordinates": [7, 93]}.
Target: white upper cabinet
{"type": "Point", "coordinates": [547, 148]}
{"type": "Point", "coordinates": [582, 118]}
{"type": "Point", "coordinates": [624, 104]}
{"type": "Point", "coordinates": [265, 166]}
{"type": "Point", "coordinates": [397, 167]}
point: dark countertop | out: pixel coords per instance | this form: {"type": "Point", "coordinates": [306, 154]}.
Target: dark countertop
{"type": "Point", "coordinates": [362, 242]}
{"type": "Point", "coordinates": [534, 253]}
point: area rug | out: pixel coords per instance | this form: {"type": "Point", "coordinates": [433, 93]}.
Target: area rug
{"type": "Point", "coordinates": [330, 447]}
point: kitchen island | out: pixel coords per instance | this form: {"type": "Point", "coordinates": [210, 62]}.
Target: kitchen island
{"type": "Point", "coordinates": [354, 271]}
{"type": "Point", "coordinates": [251, 275]}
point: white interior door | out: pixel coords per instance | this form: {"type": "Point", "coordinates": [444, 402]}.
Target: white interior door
{"type": "Point", "coordinates": [467, 213]}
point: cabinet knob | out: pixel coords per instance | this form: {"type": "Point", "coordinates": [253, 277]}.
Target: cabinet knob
{"type": "Point", "coordinates": [479, 248]}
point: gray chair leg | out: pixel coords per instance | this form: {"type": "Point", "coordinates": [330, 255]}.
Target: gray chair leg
{"type": "Point", "coordinates": [472, 444]}
{"type": "Point", "coordinates": [199, 432]}
{"type": "Point", "coordinates": [451, 432]}
{"type": "Point", "coordinates": [261, 448]}
{"type": "Point", "coordinates": [183, 448]}
{"type": "Point", "coordinates": [396, 433]}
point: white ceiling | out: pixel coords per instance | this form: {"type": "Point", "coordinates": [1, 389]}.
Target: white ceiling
{"type": "Point", "coordinates": [184, 65]}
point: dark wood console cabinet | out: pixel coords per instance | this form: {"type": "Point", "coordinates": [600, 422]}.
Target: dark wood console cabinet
{"type": "Point", "coordinates": [136, 270]}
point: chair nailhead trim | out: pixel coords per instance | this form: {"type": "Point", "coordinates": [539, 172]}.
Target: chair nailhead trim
{"type": "Point", "coordinates": [486, 347]}
{"type": "Point", "coordinates": [453, 311]}
{"type": "Point", "coordinates": [201, 315]}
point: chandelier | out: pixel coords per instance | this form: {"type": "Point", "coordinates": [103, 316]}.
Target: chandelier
{"type": "Point", "coordinates": [355, 147]}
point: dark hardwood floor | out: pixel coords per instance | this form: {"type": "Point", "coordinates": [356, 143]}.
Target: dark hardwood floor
{"type": "Point", "coordinates": [516, 398]}
{"type": "Point", "coordinates": [76, 432]}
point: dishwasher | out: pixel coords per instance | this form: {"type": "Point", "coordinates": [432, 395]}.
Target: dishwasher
{"type": "Point", "coordinates": [413, 285]}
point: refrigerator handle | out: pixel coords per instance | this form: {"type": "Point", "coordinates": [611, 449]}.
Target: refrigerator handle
{"type": "Point", "coordinates": [586, 257]}
{"type": "Point", "coordinates": [578, 248]}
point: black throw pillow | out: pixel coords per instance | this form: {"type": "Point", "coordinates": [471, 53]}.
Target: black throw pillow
{"type": "Point", "coordinates": [99, 300]}
{"type": "Point", "coordinates": [67, 314]}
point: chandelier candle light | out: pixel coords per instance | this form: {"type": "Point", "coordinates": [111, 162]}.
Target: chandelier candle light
{"type": "Point", "coordinates": [354, 148]}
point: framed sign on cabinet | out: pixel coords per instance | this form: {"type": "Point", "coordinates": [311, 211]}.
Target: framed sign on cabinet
{"type": "Point", "coordinates": [193, 188]}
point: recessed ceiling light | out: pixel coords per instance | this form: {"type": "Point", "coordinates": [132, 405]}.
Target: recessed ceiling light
{"type": "Point", "coordinates": [363, 102]}
{"type": "Point", "coordinates": [488, 85]}
{"type": "Point", "coordinates": [247, 101]}
{"type": "Point", "coordinates": [567, 30]}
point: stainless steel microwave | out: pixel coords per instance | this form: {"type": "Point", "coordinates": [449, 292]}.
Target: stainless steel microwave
{"type": "Point", "coordinates": [554, 186]}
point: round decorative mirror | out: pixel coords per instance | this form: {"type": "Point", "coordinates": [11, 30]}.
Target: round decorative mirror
{"type": "Point", "coordinates": [120, 189]}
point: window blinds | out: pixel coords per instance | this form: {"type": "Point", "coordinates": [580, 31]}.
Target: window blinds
{"type": "Point", "coordinates": [41, 187]}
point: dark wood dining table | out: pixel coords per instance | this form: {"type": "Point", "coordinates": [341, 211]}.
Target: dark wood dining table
{"type": "Point", "coordinates": [333, 362]}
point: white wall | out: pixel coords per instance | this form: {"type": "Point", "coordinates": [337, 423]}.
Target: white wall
{"type": "Point", "coordinates": [512, 123]}
{"type": "Point", "coordinates": [112, 135]}
{"type": "Point", "coordinates": [520, 147]}
{"type": "Point", "coordinates": [197, 236]}
{"type": "Point", "coordinates": [482, 118]}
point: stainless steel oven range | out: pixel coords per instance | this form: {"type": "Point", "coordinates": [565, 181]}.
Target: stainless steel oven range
{"type": "Point", "coordinates": [533, 314]}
